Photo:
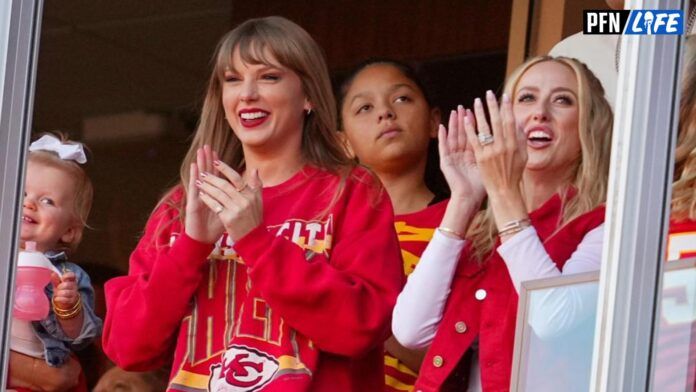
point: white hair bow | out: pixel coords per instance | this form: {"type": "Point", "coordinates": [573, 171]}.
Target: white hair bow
{"type": "Point", "coordinates": [69, 152]}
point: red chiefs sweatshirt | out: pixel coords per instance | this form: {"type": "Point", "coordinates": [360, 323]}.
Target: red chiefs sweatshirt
{"type": "Point", "coordinates": [302, 302]}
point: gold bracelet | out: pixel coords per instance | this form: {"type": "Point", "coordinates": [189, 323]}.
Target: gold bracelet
{"type": "Point", "coordinates": [72, 308]}
{"type": "Point", "coordinates": [66, 314]}
{"type": "Point", "coordinates": [514, 227]}
{"type": "Point", "coordinates": [452, 232]}
{"type": "Point", "coordinates": [511, 231]}
{"type": "Point", "coordinates": [515, 224]}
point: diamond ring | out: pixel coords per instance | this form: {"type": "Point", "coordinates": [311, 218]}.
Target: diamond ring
{"type": "Point", "coordinates": [485, 138]}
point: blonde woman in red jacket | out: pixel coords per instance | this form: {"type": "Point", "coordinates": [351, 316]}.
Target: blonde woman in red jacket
{"type": "Point", "coordinates": [273, 265]}
{"type": "Point", "coordinates": [543, 160]}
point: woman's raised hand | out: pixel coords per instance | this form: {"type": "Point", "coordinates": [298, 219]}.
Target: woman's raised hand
{"type": "Point", "coordinates": [201, 223]}
{"type": "Point", "coordinates": [457, 160]}
{"type": "Point", "coordinates": [238, 205]}
{"type": "Point", "coordinates": [501, 155]}
{"type": "Point", "coordinates": [499, 148]}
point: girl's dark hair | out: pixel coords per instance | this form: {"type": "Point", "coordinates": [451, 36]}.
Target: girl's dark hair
{"type": "Point", "coordinates": [434, 179]}
{"type": "Point", "coordinates": [413, 73]}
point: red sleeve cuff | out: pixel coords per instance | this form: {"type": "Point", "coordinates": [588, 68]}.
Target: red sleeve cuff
{"type": "Point", "coordinates": [253, 244]}
{"type": "Point", "coordinates": [186, 249]}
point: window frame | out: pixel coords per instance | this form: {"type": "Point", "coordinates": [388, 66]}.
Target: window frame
{"type": "Point", "coordinates": [522, 329]}
{"type": "Point", "coordinates": [20, 26]}
{"type": "Point", "coordinates": [638, 205]}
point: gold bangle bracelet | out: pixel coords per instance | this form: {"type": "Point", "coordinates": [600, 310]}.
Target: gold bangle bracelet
{"type": "Point", "coordinates": [70, 315]}
{"type": "Point", "coordinates": [514, 227]}
{"type": "Point", "coordinates": [521, 223]}
{"type": "Point", "coordinates": [66, 314]}
{"type": "Point", "coordinates": [452, 232]}
{"type": "Point", "coordinates": [510, 231]}
{"type": "Point", "coordinates": [59, 309]}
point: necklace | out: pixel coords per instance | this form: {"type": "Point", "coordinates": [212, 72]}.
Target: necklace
{"type": "Point", "coordinates": [689, 26]}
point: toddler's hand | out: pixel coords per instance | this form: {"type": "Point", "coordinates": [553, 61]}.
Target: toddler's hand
{"type": "Point", "coordinates": [65, 294]}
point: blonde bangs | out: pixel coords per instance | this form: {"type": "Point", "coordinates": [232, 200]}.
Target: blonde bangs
{"type": "Point", "coordinates": [252, 51]}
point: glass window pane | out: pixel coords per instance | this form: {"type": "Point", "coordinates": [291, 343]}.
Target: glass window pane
{"type": "Point", "coordinates": [675, 357]}
{"type": "Point", "coordinates": [18, 43]}
{"type": "Point", "coordinates": [556, 326]}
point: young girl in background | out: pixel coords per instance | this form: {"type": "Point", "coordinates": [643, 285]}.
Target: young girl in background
{"type": "Point", "coordinates": [273, 265]}
{"type": "Point", "coordinates": [389, 123]}
{"type": "Point", "coordinates": [57, 200]}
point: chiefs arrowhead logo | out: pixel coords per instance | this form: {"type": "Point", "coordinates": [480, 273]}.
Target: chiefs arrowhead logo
{"type": "Point", "coordinates": [243, 369]}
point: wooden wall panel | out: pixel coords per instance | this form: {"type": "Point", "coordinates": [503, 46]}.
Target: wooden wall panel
{"type": "Point", "coordinates": [353, 30]}
{"type": "Point", "coordinates": [537, 25]}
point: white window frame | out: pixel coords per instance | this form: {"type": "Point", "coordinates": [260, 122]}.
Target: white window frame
{"type": "Point", "coordinates": [640, 183]}
{"type": "Point", "coordinates": [20, 25]}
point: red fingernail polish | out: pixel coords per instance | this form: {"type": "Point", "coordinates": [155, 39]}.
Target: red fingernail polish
{"type": "Point", "coordinates": [199, 183]}
{"type": "Point", "coordinates": [216, 162]}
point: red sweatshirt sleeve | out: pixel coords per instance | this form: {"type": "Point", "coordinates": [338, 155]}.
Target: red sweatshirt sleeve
{"type": "Point", "coordinates": [343, 303]}
{"type": "Point", "coordinates": [146, 307]}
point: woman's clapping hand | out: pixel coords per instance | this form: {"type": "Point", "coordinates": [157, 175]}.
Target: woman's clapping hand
{"type": "Point", "coordinates": [500, 149]}
{"type": "Point", "coordinates": [457, 160]}
{"type": "Point", "coordinates": [201, 223]}
{"type": "Point", "coordinates": [238, 205]}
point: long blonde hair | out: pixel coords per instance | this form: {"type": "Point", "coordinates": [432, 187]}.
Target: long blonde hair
{"type": "Point", "coordinates": [294, 49]}
{"type": "Point", "coordinates": [684, 187]}
{"type": "Point", "coordinates": [595, 121]}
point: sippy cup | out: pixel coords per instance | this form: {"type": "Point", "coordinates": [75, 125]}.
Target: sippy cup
{"type": "Point", "coordinates": [33, 274]}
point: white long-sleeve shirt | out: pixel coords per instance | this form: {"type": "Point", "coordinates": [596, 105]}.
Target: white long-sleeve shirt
{"type": "Point", "coordinates": [419, 307]}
